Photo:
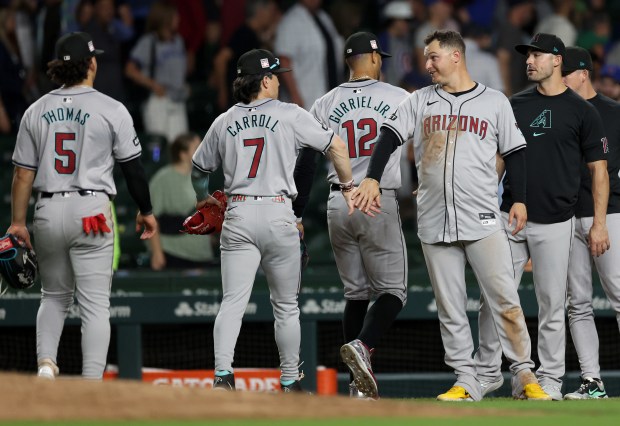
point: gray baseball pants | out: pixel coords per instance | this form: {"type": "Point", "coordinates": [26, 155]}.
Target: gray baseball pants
{"type": "Point", "coordinates": [260, 232]}
{"type": "Point", "coordinates": [370, 252]}
{"type": "Point", "coordinates": [580, 313]}
{"type": "Point", "coordinates": [72, 262]}
{"type": "Point", "coordinates": [491, 262]}
{"type": "Point", "coordinates": [549, 247]}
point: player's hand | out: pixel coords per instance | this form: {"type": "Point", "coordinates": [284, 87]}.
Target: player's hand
{"type": "Point", "coordinates": [300, 228]}
{"type": "Point", "coordinates": [348, 197]}
{"type": "Point", "coordinates": [21, 233]}
{"type": "Point", "coordinates": [149, 223]}
{"type": "Point", "coordinates": [518, 213]}
{"type": "Point", "coordinates": [367, 197]}
{"type": "Point", "coordinates": [158, 261]}
{"type": "Point", "coordinates": [598, 239]}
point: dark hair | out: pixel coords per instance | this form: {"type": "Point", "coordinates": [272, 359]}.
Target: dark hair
{"type": "Point", "coordinates": [181, 144]}
{"type": "Point", "coordinates": [252, 6]}
{"type": "Point", "coordinates": [246, 88]}
{"type": "Point", "coordinates": [68, 73]}
{"type": "Point", "coordinates": [160, 16]}
{"type": "Point", "coordinates": [446, 38]}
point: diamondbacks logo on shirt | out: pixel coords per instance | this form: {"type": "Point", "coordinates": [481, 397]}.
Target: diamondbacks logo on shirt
{"type": "Point", "coordinates": [543, 120]}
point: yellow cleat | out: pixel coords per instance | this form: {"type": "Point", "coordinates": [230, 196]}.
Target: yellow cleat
{"type": "Point", "coordinates": [534, 392]}
{"type": "Point", "coordinates": [456, 393]}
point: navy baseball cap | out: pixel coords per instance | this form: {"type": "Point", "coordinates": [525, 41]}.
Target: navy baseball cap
{"type": "Point", "coordinates": [547, 43]}
{"type": "Point", "coordinates": [363, 42]}
{"type": "Point", "coordinates": [577, 58]}
{"type": "Point", "coordinates": [259, 61]}
{"type": "Point", "coordinates": [76, 46]}
{"type": "Point", "coordinates": [611, 71]}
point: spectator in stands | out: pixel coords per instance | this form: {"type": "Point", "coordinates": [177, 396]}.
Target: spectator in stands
{"type": "Point", "coordinates": [609, 82]}
{"type": "Point", "coordinates": [511, 33]}
{"type": "Point", "coordinates": [439, 18]}
{"type": "Point", "coordinates": [158, 62]}
{"type": "Point", "coordinates": [307, 42]}
{"type": "Point", "coordinates": [12, 71]}
{"type": "Point", "coordinates": [250, 35]}
{"type": "Point", "coordinates": [5, 123]}
{"type": "Point", "coordinates": [483, 66]}
{"type": "Point", "coordinates": [192, 27]}
{"type": "Point", "coordinates": [173, 199]}
{"type": "Point", "coordinates": [109, 33]}
{"type": "Point", "coordinates": [559, 23]}
{"type": "Point", "coordinates": [396, 40]}
{"type": "Point", "coordinates": [596, 37]}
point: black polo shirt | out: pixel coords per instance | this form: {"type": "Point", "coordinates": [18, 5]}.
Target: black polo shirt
{"type": "Point", "coordinates": [609, 110]}
{"type": "Point", "coordinates": [560, 130]}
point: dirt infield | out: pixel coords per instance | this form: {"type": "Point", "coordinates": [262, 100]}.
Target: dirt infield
{"type": "Point", "coordinates": [25, 397]}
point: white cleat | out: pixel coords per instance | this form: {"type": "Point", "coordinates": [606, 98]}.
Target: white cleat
{"type": "Point", "coordinates": [47, 370]}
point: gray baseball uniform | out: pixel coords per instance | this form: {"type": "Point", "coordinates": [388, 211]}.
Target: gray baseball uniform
{"type": "Point", "coordinates": [257, 145]}
{"type": "Point", "coordinates": [455, 142]}
{"type": "Point", "coordinates": [71, 138]}
{"type": "Point", "coordinates": [370, 253]}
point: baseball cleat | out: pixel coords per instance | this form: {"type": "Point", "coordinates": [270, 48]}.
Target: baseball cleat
{"type": "Point", "coordinates": [291, 387]}
{"type": "Point", "coordinates": [590, 389]}
{"type": "Point", "coordinates": [356, 356]}
{"type": "Point", "coordinates": [554, 391]}
{"type": "Point", "coordinates": [533, 392]}
{"type": "Point", "coordinates": [47, 369]}
{"type": "Point", "coordinates": [224, 382]}
{"type": "Point", "coordinates": [491, 386]}
{"type": "Point", "coordinates": [456, 393]}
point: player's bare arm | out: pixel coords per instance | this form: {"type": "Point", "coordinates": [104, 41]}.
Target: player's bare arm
{"type": "Point", "coordinates": [598, 236]}
{"type": "Point", "coordinates": [289, 81]}
{"type": "Point", "coordinates": [20, 194]}
{"type": "Point", "coordinates": [340, 157]}
{"type": "Point", "coordinates": [500, 167]}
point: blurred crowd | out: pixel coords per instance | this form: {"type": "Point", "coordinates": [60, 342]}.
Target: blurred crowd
{"type": "Point", "coordinates": [157, 51]}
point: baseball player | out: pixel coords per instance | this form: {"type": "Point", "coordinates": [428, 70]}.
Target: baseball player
{"type": "Point", "coordinates": [256, 142]}
{"type": "Point", "coordinates": [560, 128]}
{"type": "Point", "coordinates": [576, 70]}
{"type": "Point", "coordinates": [66, 147]}
{"type": "Point", "coordinates": [362, 246]}
{"type": "Point", "coordinates": [458, 126]}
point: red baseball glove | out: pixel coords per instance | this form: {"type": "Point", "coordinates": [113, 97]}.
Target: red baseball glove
{"type": "Point", "coordinates": [207, 219]}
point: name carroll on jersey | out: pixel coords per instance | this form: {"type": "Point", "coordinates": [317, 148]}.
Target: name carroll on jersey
{"type": "Point", "coordinates": [65, 114]}
{"type": "Point", "coordinates": [355, 103]}
{"type": "Point", "coordinates": [451, 122]}
{"type": "Point", "coordinates": [251, 122]}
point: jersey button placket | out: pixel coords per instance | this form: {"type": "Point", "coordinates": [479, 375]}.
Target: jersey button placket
{"type": "Point", "coordinates": [449, 185]}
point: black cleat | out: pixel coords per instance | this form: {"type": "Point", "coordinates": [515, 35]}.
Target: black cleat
{"type": "Point", "coordinates": [225, 382]}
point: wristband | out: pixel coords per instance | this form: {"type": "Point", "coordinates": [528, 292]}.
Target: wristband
{"type": "Point", "coordinates": [347, 186]}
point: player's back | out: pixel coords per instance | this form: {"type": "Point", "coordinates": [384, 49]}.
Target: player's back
{"type": "Point", "coordinates": [355, 111]}
{"type": "Point", "coordinates": [258, 144]}
{"type": "Point", "coordinates": [71, 136]}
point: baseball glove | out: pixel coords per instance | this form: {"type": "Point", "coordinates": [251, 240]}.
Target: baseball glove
{"type": "Point", "coordinates": [207, 219]}
{"type": "Point", "coordinates": [18, 264]}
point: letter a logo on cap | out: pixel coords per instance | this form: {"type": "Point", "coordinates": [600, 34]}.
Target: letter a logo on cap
{"type": "Point", "coordinates": [264, 63]}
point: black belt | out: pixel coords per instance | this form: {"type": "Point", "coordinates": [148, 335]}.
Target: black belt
{"type": "Point", "coordinates": [336, 187]}
{"type": "Point", "coordinates": [81, 192]}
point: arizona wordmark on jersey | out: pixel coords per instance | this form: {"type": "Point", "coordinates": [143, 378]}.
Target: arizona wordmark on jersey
{"type": "Point", "coordinates": [355, 111]}
{"type": "Point", "coordinates": [263, 139]}
{"type": "Point", "coordinates": [455, 142]}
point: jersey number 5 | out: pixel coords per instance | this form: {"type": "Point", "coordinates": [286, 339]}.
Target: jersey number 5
{"type": "Point", "coordinates": [364, 123]}
{"type": "Point", "coordinates": [64, 166]}
{"type": "Point", "coordinates": [259, 143]}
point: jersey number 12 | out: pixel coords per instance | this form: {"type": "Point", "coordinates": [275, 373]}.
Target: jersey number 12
{"type": "Point", "coordinates": [66, 165]}
{"type": "Point", "coordinates": [365, 123]}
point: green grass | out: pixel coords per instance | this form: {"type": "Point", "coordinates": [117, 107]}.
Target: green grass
{"type": "Point", "coordinates": [507, 413]}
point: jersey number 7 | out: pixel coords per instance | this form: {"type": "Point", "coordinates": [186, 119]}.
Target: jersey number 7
{"type": "Point", "coordinates": [66, 166]}
{"type": "Point", "coordinates": [259, 143]}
